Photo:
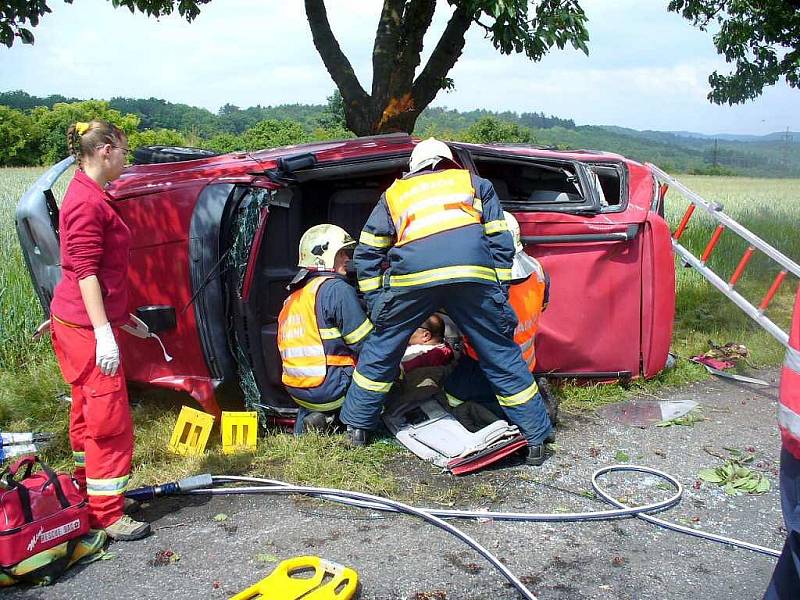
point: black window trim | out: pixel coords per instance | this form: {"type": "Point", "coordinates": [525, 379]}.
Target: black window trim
{"type": "Point", "coordinates": [590, 205]}
{"type": "Point", "coordinates": [624, 196]}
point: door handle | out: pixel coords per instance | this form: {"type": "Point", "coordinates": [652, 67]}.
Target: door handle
{"type": "Point", "coordinates": [584, 238]}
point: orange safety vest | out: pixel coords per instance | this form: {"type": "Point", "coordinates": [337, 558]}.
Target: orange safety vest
{"type": "Point", "coordinates": [526, 298]}
{"type": "Point", "coordinates": [789, 408]}
{"type": "Point", "coordinates": [305, 363]}
{"type": "Point", "coordinates": [427, 204]}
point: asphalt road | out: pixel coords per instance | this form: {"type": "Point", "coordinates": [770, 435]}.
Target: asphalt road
{"type": "Point", "coordinates": [399, 557]}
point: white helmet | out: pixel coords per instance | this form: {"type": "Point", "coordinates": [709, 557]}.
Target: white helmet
{"type": "Point", "coordinates": [428, 153]}
{"type": "Point", "coordinates": [319, 245]}
{"type": "Point", "coordinates": [523, 266]}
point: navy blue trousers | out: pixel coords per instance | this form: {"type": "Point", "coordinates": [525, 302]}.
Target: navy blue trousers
{"type": "Point", "coordinates": [468, 383]}
{"type": "Point", "coordinates": [482, 312]}
{"type": "Point", "coordinates": [785, 582]}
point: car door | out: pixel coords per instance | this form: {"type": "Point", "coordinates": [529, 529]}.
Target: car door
{"type": "Point", "coordinates": [36, 220]}
{"type": "Point", "coordinates": [589, 243]}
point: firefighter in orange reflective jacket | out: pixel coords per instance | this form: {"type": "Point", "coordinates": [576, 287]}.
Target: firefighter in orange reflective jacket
{"type": "Point", "coordinates": [528, 297]}
{"type": "Point", "coordinates": [320, 328]}
{"type": "Point", "coordinates": [785, 583]}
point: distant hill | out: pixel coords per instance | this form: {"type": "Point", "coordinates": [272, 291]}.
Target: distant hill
{"type": "Point", "coordinates": [792, 137]}
{"type": "Point", "coordinates": [773, 155]}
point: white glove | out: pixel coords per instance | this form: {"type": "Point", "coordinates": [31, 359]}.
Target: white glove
{"type": "Point", "coordinates": [106, 350]}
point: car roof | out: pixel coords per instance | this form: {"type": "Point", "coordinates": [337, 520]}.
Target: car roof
{"type": "Point", "coordinates": [239, 166]}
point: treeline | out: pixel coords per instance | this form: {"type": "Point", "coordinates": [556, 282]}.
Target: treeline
{"type": "Point", "coordinates": [37, 135]}
{"type": "Point", "coordinates": [32, 132]}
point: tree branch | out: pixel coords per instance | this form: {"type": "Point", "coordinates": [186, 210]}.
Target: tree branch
{"type": "Point", "coordinates": [385, 49]}
{"type": "Point", "coordinates": [336, 62]}
{"type": "Point", "coordinates": [416, 21]}
{"type": "Point", "coordinates": [444, 56]}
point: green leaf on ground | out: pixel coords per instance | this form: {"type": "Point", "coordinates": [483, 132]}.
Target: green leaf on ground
{"type": "Point", "coordinates": [220, 517]}
{"type": "Point", "coordinates": [267, 558]}
{"type": "Point", "coordinates": [621, 456]}
{"type": "Point", "coordinates": [687, 420]}
{"type": "Point", "coordinates": [710, 475]}
{"type": "Point", "coordinates": [736, 479]}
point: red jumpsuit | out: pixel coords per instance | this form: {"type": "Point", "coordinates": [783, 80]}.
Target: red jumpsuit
{"type": "Point", "coordinates": [94, 241]}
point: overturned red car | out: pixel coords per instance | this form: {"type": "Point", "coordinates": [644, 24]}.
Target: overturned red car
{"type": "Point", "coordinates": [215, 242]}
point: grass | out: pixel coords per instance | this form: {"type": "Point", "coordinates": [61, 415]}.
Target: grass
{"type": "Point", "coordinates": [30, 383]}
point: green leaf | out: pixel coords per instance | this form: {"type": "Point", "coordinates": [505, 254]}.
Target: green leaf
{"type": "Point", "coordinates": [621, 456]}
{"type": "Point", "coordinates": [267, 558]}
{"type": "Point", "coordinates": [731, 490]}
{"type": "Point", "coordinates": [763, 486]}
{"type": "Point", "coordinates": [710, 475]}
{"type": "Point", "coordinates": [220, 517]}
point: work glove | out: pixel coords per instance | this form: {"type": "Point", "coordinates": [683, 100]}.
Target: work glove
{"type": "Point", "coordinates": [106, 350]}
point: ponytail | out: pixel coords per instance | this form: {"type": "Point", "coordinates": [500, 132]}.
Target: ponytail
{"type": "Point", "coordinates": [84, 138]}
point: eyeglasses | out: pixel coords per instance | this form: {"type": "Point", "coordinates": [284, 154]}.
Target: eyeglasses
{"type": "Point", "coordinates": [125, 150]}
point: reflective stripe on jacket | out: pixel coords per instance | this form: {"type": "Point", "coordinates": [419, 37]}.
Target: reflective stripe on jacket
{"type": "Point", "coordinates": [434, 228]}
{"type": "Point", "coordinates": [526, 298]}
{"type": "Point", "coordinates": [789, 407]}
{"type": "Point", "coordinates": [440, 201]}
{"type": "Point", "coordinates": [305, 363]}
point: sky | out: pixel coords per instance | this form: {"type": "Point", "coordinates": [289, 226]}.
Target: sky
{"type": "Point", "coordinates": [646, 69]}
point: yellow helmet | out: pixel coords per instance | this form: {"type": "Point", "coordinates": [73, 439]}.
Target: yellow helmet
{"type": "Point", "coordinates": [428, 153]}
{"type": "Point", "coordinates": [319, 245]}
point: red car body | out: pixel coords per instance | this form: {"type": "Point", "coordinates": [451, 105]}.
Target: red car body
{"type": "Point", "coordinates": [604, 244]}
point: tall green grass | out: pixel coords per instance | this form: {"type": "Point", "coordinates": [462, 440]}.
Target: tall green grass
{"type": "Point", "coordinates": [30, 383]}
{"type": "Point", "coordinates": [771, 210]}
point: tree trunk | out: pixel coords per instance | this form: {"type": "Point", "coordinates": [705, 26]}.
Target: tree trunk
{"type": "Point", "coordinates": [397, 99]}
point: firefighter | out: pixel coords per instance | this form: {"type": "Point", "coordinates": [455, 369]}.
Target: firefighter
{"type": "Point", "coordinates": [528, 296]}
{"type": "Point", "coordinates": [442, 233]}
{"type": "Point", "coordinates": [320, 328]}
{"type": "Point", "coordinates": [785, 583]}
{"type": "Point", "coordinates": [89, 305]}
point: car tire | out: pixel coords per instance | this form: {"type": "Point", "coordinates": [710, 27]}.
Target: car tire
{"type": "Point", "coordinates": [147, 155]}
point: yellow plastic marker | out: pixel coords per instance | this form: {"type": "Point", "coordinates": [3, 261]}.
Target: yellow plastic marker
{"type": "Point", "coordinates": [191, 432]}
{"type": "Point", "coordinates": [238, 431]}
{"type": "Point", "coordinates": [327, 581]}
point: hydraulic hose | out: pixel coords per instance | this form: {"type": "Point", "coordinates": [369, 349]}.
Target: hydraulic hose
{"type": "Point", "coordinates": [435, 516]}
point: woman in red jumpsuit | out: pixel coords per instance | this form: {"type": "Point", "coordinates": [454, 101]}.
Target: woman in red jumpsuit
{"type": "Point", "coordinates": [89, 304]}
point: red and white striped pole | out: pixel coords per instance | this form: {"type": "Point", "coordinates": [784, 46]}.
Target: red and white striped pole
{"type": "Point", "coordinates": [789, 409]}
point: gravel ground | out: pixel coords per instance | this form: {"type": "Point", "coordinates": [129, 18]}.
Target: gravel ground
{"type": "Point", "coordinates": [398, 557]}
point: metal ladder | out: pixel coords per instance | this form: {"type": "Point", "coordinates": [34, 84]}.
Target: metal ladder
{"type": "Point", "coordinates": [757, 313]}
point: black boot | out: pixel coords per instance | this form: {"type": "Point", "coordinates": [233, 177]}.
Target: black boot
{"type": "Point", "coordinates": [356, 437]}
{"type": "Point", "coordinates": [536, 455]}
{"type": "Point", "coordinates": [315, 421]}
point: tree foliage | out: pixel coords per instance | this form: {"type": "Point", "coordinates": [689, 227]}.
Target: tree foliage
{"type": "Point", "coordinates": [37, 136]}
{"type": "Point", "coordinates": [19, 138]}
{"type": "Point", "coordinates": [271, 133]}
{"type": "Point", "coordinates": [156, 137]}
{"type": "Point", "coordinates": [16, 16]}
{"type": "Point", "coordinates": [489, 130]}
{"type": "Point", "coordinates": [761, 39]}
{"type": "Point", "coordinates": [55, 121]}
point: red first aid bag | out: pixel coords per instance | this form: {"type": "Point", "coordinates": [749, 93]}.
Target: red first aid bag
{"type": "Point", "coordinates": [38, 510]}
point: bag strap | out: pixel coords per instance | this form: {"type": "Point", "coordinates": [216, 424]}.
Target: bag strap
{"type": "Point", "coordinates": [24, 498]}
{"type": "Point", "coordinates": [53, 477]}
{"type": "Point", "coordinates": [28, 462]}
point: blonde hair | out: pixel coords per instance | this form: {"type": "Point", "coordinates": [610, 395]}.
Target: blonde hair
{"type": "Point", "coordinates": [83, 139]}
